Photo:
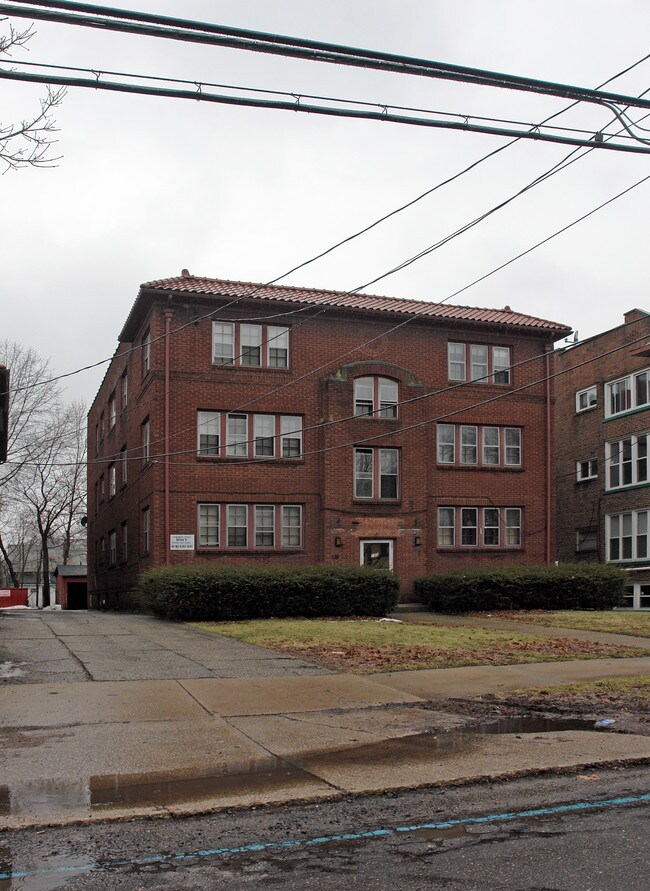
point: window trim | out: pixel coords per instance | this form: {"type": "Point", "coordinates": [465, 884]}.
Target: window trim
{"type": "Point", "coordinates": [590, 404]}
{"type": "Point", "coordinates": [377, 405]}
{"type": "Point", "coordinates": [634, 405]}
{"type": "Point", "coordinates": [146, 352]}
{"type": "Point", "coordinates": [268, 334]}
{"type": "Point", "coordinates": [112, 411]}
{"type": "Point", "coordinates": [376, 474]}
{"type": "Point", "coordinates": [457, 540]}
{"type": "Point", "coordinates": [146, 441]}
{"type": "Point", "coordinates": [634, 536]}
{"type": "Point", "coordinates": [282, 530]}
{"type": "Point", "coordinates": [146, 530]}
{"type": "Point", "coordinates": [591, 470]}
{"type": "Point", "coordinates": [287, 435]}
{"type": "Point", "coordinates": [112, 480]}
{"type": "Point", "coordinates": [470, 361]}
{"type": "Point", "coordinates": [479, 445]}
{"type": "Point", "coordinates": [616, 449]}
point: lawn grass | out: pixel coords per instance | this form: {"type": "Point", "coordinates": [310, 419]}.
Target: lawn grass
{"type": "Point", "coordinates": [365, 646]}
{"type": "Point", "coordinates": [628, 690]}
{"type": "Point", "coordinates": [627, 622]}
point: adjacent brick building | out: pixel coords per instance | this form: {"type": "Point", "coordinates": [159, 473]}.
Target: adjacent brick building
{"type": "Point", "coordinates": [602, 438]}
{"type": "Point", "coordinates": [249, 423]}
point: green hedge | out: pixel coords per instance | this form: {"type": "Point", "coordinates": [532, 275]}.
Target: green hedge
{"type": "Point", "coordinates": [567, 586]}
{"type": "Point", "coordinates": [221, 593]}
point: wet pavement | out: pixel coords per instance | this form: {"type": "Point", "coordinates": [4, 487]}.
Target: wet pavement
{"type": "Point", "coordinates": [88, 734]}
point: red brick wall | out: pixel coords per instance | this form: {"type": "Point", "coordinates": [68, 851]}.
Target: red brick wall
{"type": "Point", "coordinates": [415, 356]}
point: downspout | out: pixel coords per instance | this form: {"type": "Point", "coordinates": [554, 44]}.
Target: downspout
{"type": "Point", "coordinates": [168, 321]}
{"type": "Point", "coordinates": [549, 458]}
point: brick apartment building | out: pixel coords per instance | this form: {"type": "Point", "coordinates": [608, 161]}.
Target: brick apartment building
{"type": "Point", "coordinates": [603, 483]}
{"type": "Point", "coordinates": [265, 424]}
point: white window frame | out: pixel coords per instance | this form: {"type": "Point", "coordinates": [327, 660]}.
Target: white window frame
{"type": "Point", "coordinates": [636, 592]}
{"type": "Point", "coordinates": [236, 447]}
{"type": "Point", "coordinates": [464, 446]}
{"type": "Point", "coordinates": [290, 434]}
{"type": "Point", "coordinates": [630, 385]}
{"type": "Point", "coordinates": [376, 474]}
{"type": "Point", "coordinates": [124, 464]}
{"type": "Point", "coordinates": [587, 470]}
{"type": "Point", "coordinates": [207, 526]}
{"type": "Point", "coordinates": [480, 363]}
{"type": "Point", "coordinates": [208, 426]}
{"type": "Point", "coordinates": [463, 527]}
{"type": "Point", "coordinates": [615, 530]}
{"type": "Point", "coordinates": [261, 437]}
{"type": "Point", "coordinates": [288, 528]}
{"type": "Point", "coordinates": [223, 334]}
{"type": "Point", "coordinates": [250, 345]}
{"type": "Point", "coordinates": [637, 461]}
{"type": "Point", "coordinates": [376, 397]}
{"type": "Point", "coordinates": [264, 529]}
{"type": "Point", "coordinates": [112, 488]}
{"type": "Point", "coordinates": [146, 530]}
{"type": "Point", "coordinates": [146, 353]}
{"type": "Point", "coordinates": [112, 547]}
{"type": "Point", "coordinates": [586, 399]}
{"type": "Point", "coordinates": [371, 541]}
{"type": "Point", "coordinates": [277, 343]}
{"type": "Point", "coordinates": [112, 414]}
{"type": "Point", "coordinates": [125, 389]}
{"type": "Point", "coordinates": [230, 525]}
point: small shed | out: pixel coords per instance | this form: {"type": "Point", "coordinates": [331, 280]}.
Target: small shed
{"type": "Point", "coordinates": [71, 586]}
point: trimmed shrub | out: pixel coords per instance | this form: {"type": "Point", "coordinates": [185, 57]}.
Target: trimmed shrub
{"type": "Point", "coordinates": [567, 586]}
{"type": "Point", "coordinates": [224, 593]}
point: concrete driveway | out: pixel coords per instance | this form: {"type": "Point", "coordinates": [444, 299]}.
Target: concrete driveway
{"type": "Point", "coordinates": [56, 646]}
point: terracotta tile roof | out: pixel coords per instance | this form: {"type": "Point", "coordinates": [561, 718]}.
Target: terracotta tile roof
{"type": "Point", "coordinates": [192, 284]}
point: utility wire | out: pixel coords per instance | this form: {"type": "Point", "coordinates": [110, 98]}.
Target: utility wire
{"type": "Point", "coordinates": [169, 27]}
{"type": "Point", "coordinates": [328, 111]}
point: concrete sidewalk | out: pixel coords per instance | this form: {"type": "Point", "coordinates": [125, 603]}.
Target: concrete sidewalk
{"type": "Point", "coordinates": [106, 749]}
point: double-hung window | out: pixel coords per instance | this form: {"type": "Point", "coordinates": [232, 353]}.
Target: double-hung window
{"type": "Point", "coordinates": [249, 526]}
{"type": "Point", "coordinates": [111, 411]}
{"type": "Point", "coordinates": [146, 530]}
{"type": "Point", "coordinates": [146, 353]}
{"type": "Point", "coordinates": [208, 525]}
{"type": "Point", "coordinates": [264, 525]}
{"type": "Point", "coordinates": [278, 347]}
{"type": "Point", "coordinates": [627, 461]}
{"type": "Point", "coordinates": [376, 396]}
{"type": "Point", "coordinates": [237, 525]}
{"type": "Point", "coordinates": [112, 547]}
{"type": "Point", "coordinates": [291, 526]}
{"type": "Point", "coordinates": [248, 345]}
{"type": "Point", "coordinates": [124, 464]}
{"type": "Point", "coordinates": [482, 363]}
{"type": "Point", "coordinates": [146, 441]}
{"type": "Point", "coordinates": [627, 536]}
{"type": "Point", "coordinates": [479, 527]}
{"type": "Point", "coordinates": [628, 393]}
{"type": "Point", "coordinates": [209, 428]}
{"type": "Point", "coordinates": [587, 470]}
{"type": "Point", "coordinates": [111, 480]}
{"type": "Point", "coordinates": [469, 445]}
{"type": "Point", "coordinates": [376, 474]}
{"type": "Point", "coordinates": [239, 435]}
{"type": "Point", "coordinates": [125, 389]}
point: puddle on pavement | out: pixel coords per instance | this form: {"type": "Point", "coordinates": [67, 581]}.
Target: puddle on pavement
{"type": "Point", "coordinates": [79, 796]}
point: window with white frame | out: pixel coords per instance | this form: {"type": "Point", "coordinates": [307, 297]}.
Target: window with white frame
{"type": "Point", "coordinates": [209, 432]}
{"type": "Point", "coordinates": [468, 445]}
{"type": "Point", "coordinates": [586, 399]}
{"type": "Point", "coordinates": [125, 389]}
{"type": "Point", "coordinates": [264, 525]}
{"type": "Point", "coordinates": [209, 526]}
{"type": "Point", "coordinates": [247, 345]}
{"type": "Point", "coordinates": [376, 474]}
{"type": "Point", "coordinates": [376, 397]}
{"type": "Point", "coordinates": [239, 435]}
{"type": "Point", "coordinates": [111, 411]}
{"type": "Point", "coordinates": [278, 347]}
{"type": "Point", "coordinates": [626, 461]}
{"type": "Point", "coordinates": [249, 526]}
{"type": "Point", "coordinates": [111, 480]}
{"type": "Point", "coordinates": [146, 353]}
{"type": "Point", "coordinates": [627, 536]}
{"type": "Point", "coordinates": [146, 530]}
{"type": "Point", "coordinates": [627, 393]}
{"type": "Point", "coordinates": [146, 441]}
{"type": "Point", "coordinates": [478, 362]}
{"type": "Point", "coordinates": [479, 527]}
{"type": "Point", "coordinates": [112, 547]}
{"type": "Point", "coordinates": [637, 596]}
{"type": "Point", "coordinates": [587, 470]}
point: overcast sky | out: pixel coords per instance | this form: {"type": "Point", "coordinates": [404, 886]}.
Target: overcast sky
{"type": "Point", "coordinates": [148, 186]}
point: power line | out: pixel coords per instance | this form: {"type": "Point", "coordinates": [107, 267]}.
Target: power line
{"type": "Point", "coordinates": [169, 27]}
{"type": "Point", "coordinates": [328, 111]}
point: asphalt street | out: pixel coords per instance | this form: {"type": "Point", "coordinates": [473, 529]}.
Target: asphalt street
{"type": "Point", "coordinates": [585, 831]}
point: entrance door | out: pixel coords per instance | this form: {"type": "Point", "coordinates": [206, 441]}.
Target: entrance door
{"type": "Point", "coordinates": [377, 553]}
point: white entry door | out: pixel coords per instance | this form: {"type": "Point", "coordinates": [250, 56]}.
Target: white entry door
{"type": "Point", "coordinates": [377, 553]}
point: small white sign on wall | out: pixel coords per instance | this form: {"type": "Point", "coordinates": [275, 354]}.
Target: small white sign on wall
{"type": "Point", "coordinates": [181, 542]}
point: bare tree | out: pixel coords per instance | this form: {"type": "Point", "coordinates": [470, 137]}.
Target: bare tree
{"type": "Point", "coordinates": [28, 143]}
{"type": "Point", "coordinates": [74, 489]}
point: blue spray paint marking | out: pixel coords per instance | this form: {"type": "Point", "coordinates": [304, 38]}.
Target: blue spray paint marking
{"type": "Point", "coordinates": [326, 839]}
